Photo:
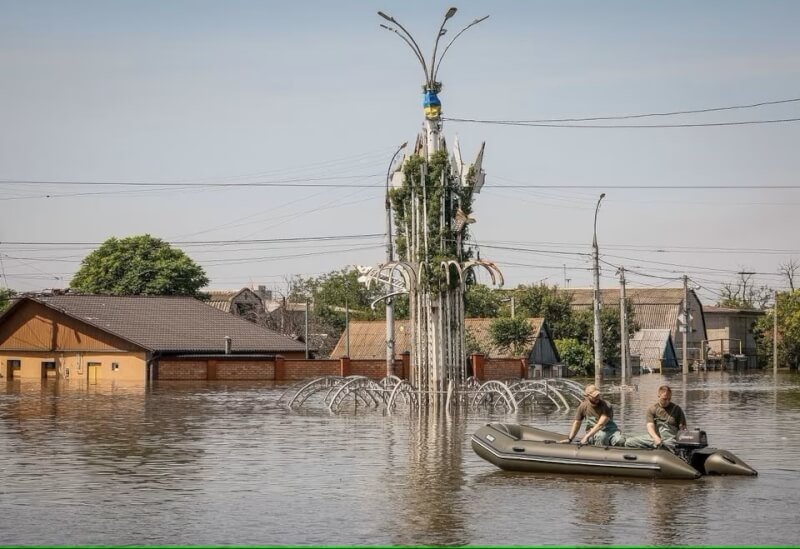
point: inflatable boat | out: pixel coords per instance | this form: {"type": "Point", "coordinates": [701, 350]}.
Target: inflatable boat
{"type": "Point", "coordinates": [514, 447]}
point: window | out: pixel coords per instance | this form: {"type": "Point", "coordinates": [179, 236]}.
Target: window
{"type": "Point", "coordinates": [49, 365]}
{"type": "Point", "coordinates": [15, 364]}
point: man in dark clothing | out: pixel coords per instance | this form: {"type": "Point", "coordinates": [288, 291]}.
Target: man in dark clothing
{"type": "Point", "coordinates": [600, 427]}
{"type": "Point", "coordinates": [664, 419]}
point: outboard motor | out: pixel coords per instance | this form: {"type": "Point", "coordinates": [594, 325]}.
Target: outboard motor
{"type": "Point", "coordinates": [686, 442]}
{"type": "Point", "coordinates": [691, 446]}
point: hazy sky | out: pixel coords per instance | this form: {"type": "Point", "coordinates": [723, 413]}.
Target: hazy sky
{"type": "Point", "coordinates": [290, 94]}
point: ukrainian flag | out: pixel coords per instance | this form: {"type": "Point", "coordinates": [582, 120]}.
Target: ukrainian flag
{"type": "Point", "coordinates": [431, 105]}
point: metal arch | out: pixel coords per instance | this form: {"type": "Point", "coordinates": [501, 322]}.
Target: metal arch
{"type": "Point", "coordinates": [389, 381]}
{"type": "Point", "coordinates": [491, 268]}
{"type": "Point", "coordinates": [312, 387]}
{"type": "Point", "coordinates": [352, 385]}
{"type": "Point", "coordinates": [403, 388]}
{"type": "Point", "coordinates": [472, 383]}
{"type": "Point", "coordinates": [501, 389]}
{"type": "Point", "coordinates": [572, 388]}
{"type": "Point", "coordinates": [291, 387]}
{"type": "Point", "coordinates": [525, 392]}
{"type": "Point", "coordinates": [445, 266]}
{"type": "Point", "coordinates": [524, 385]}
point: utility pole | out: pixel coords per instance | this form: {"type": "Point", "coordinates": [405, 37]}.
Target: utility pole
{"type": "Point", "coordinates": [685, 327]}
{"type": "Point", "coordinates": [775, 335]}
{"type": "Point", "coordinates": [598, 332]}
{"type": "Point", "coordinates": [306, 334]}
{"type": "Point", "coordinates": [389, 259]}
{"type": "Point", "coordinates": [623, 332]}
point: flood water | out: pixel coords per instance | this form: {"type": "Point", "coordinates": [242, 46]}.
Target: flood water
{"type": "Point", "coordinates": [225, 463]}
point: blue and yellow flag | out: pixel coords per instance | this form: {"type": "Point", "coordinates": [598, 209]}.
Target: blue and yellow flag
{"type": "Point", "coordinates": [431, 105]}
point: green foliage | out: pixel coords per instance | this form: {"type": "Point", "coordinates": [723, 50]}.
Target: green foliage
{"type": "Point", "coordinates": [511, 334]}
{"type": "Point", "coordinates": [480, 301]}
{"type": "Point", "coordinates": [442, 196]}
{"type": "Point", "coordinates": [568, 324]}
{"type": "Point", "coordinates": [788, 331]}
{"type": "Point", "coordinates": [139, 265]}
{"type": "Point", "coordinates": [6, 295]}
{"type": "Point", "coordinates": [540, 300]}
{"type": "Point", "coordinates": [335, 297]}
{"type": "Point", "coordinates": [578, 356]}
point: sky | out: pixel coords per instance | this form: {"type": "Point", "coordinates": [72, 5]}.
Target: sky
{"type": "Point", "coordinates": [256, 135]}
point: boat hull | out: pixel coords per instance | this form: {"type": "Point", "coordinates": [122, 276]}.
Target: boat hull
{"type": "Point", "coordinates": [515, 447]}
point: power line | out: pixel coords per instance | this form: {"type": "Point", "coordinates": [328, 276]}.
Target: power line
{"type": "Point", "coordinates": [622, 126]}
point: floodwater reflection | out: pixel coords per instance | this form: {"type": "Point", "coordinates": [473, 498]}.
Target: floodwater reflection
{"type": "Point", "coordinates": [224, 463]}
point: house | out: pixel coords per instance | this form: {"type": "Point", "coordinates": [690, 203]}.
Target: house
{"type": "Point", "coordinates": [655, 309]}
{"type": "Point", "coordinates": [654, 349]}
{"type": "Point", "coordinates": [244, 303]}
{"type": "Point", "coordinates": [730, 333]}
{"type": "Point", "coordinates": [133, 338]}
{"type": "Point", "coordinates": [366, 339]}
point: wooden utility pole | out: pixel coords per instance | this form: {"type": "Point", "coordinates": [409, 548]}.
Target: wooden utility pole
{"type": "Point", "coordinates": [685, 328]}
{"type": "Point", "coordinates": [623, 332]}
{"type": "Point", "coordinates": [775, 335]}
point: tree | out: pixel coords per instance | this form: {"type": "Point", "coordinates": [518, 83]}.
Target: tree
{"type": "Point", "coordinates": [789, 270]}
{"type": "Point", "coordinates": [139, 265]}
{"type": "Point", "coordinates": [480, 301]}
{"type": "Point", "coordinates": [737, 294]}
{"type": "Point", "coordinates": [540, 300]}
{"type": "Point", "coordinates": [335, 297]}
{"type": "Point", "coordinates": [510, 334]}
{"type": "Point", "coordinates": [578, 356]}
{"type": "Point", "coordinates": [6, 295]}
{"type": "Point", "coordinates": [788, 307]}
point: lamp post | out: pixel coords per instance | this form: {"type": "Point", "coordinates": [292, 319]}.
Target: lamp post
{"type": "Point", "coordinates": [431, 87]}
{"type": "Point", "coordinates": [389, 259]}
{"type": "Point", "coordinates": [598, 333]}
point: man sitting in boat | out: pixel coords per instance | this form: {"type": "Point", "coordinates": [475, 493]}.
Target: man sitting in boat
{"type": "Point", "coordinates": [600, 427]}
{"type": "Point", "coordinates": [664, 419]}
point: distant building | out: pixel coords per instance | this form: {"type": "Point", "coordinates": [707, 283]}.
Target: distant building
{"type": "Point", "coordinates": [131, 338]}
{"type": "Point", "coordinates": [654, 349]}
{"type": "Point", "coordinates": [367, 340]}
{"type": "Point", "coordinates": [730, 334]}
{"type": "Point", "coordinates": [244, 303]}
{"type": "Point", "coordinates": [655, 308]}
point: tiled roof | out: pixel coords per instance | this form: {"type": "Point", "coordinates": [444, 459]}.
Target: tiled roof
{"type": "Point", "coordinates": [173, 324]}
{"type": "Point", "coordinates": [368, 337]}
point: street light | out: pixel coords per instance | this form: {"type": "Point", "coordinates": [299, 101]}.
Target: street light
{"type": "Point", "coordinates": [475, 22]}
{"type": "Point", "coordinates": [430, 73]}
{"type": "Point", "coordinates": [389, 252]}
{"type": "Point", "coordinates": [598, 333]}
{"type": "Point", "coordinates": [389, 258]}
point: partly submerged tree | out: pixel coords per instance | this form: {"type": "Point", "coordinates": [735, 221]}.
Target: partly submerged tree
{"type": "Point", "coordinates": [139, 265]}
{"type": "Point", "coordinates": [577, 356]}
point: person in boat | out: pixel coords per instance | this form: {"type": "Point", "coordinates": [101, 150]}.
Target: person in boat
{"type": "Point", "coordinates": [599, 416]}
{"type": "Point", "coordinates": [663, 420]}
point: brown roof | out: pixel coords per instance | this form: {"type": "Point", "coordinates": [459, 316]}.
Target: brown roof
{"type": "Point", "coordinates": [654, 308]}
{"type": "Point", "coordinates": [730, 311]}
{"type": "Point", "coordinates": [169, 323]}
{"type": "Point", "coordinates": [368, 337]}
{"type": "Point", "coordinates": [643, 296]}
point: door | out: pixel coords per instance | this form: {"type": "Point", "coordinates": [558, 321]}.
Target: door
{"type": "Point", "coordinates": [93, 370]}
